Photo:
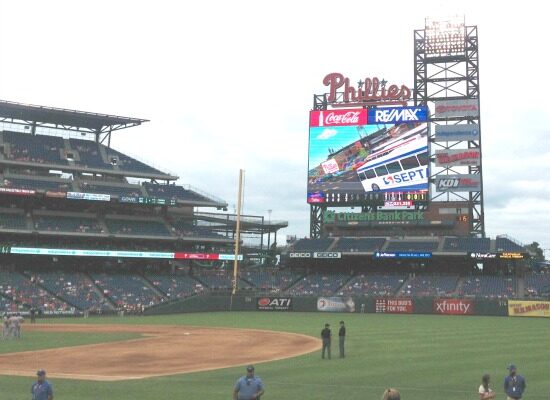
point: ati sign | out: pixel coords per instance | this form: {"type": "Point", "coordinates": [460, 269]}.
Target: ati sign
{"type": "Point", "coordinates": [371, 91]}
{"type": "Point", "coordinates": [274, 303]}
{"type": "Point", "coordinates": [337, 118]}
{"type": "Point", "coordinates": [394, 115]}
{"type": "Point", "coordinates": [331, 217]}
{"type": "Point", "coordinates": [453, 307]}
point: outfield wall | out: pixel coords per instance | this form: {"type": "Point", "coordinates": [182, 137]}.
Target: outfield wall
{"type": "Point", "coordinates": [346, 304]}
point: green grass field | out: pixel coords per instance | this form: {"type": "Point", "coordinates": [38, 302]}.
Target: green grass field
{"type": "Point", "coordinates": [424, 356]}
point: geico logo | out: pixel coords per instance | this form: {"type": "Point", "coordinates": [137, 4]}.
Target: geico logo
{"type": "Point", "coordinates": [300, 255]}
{"type": "Point", "coordinates": [448, 183]}
{"type": "Point", "coordinates": [326, 255]}
{"type": "Point", "coordinates": [395, 115]}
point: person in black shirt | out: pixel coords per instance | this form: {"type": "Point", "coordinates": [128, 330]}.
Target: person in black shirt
{"type": "Point", "coordinates": [342, 338]}
{"type": "Point", "coordinates": [326, 336]}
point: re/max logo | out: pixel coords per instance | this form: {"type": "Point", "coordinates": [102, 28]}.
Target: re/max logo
{"type": "Point", "coordinates": [397, 114]}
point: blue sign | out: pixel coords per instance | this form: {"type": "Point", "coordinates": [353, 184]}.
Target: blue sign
{"type": "Point", "coordinates": [396, 115]}
{"type": "Point", "coordinates": [409, 254]}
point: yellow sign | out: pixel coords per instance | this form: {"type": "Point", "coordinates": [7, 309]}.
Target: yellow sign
{"type": "Point", "coordinates": [520, 308]}
{"type": "Point", "coordinates": [511, 255]}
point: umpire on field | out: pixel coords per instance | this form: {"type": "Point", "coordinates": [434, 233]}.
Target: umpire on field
{"type": "Point", "coordinates": [326, 336]}
{"type": "Point", "coordinates": [248, 387]}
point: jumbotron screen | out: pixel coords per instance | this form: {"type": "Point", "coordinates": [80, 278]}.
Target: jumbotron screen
{"type": "Point", "coordinates": [375, 156]}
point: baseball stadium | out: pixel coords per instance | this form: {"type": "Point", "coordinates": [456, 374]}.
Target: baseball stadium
{"type": "Point", "coordinates": [133, 285]}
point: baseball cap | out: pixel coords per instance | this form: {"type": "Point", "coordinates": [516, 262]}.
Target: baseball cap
{"type": "Point", "coordinates": [40, 372]}
{"type": "Point", "coordinates": [250, 368]}
{"type": "Point", "coordinates": [511, 367]}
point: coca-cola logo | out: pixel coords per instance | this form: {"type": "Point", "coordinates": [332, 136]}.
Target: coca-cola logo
{"type": "Point", "coordinates": [351, 117]}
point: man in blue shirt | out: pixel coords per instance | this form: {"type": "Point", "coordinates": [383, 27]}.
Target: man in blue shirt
{"type": "Point", "coordinates": [41, 389]}
{"type": "Point", "coordinates": [514, 384]}
{"type": "Point", "coordinates": [248, 387]}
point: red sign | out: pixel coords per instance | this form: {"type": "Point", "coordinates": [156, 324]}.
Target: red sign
{"type": "Point", "coordinates": [338, 117]}
{"type": "Point", "coordinates": [453, 306]}
{"type": "Point", "coordinates": [406, 203]}
{"type": "Point", "coordinates": [17, 192]}
{"type": "Point", "coordinates": [371, 91]}
{"type": "Point", "coordinates": [196, 256]}
{"type": "Point", "coordinates": [394, 306]}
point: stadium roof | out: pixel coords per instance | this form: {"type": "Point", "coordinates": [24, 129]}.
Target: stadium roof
{"type": "Point", "coordinates": [61, 118]}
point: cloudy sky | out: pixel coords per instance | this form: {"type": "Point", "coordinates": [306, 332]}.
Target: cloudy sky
{"type": "Point", "coordinates": [228, 85]}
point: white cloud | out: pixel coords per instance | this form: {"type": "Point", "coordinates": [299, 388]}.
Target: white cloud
{"type": "Point", "coordinates": [327, 134]}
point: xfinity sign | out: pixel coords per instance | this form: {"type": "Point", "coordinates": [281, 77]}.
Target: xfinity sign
{"type": "Point", "coordinates": [393, 115]}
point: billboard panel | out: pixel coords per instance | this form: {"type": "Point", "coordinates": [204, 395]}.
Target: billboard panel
{"type": "Point", "coordinates": [274, 303]}
{"type": "Point", "coordinates": [457, 157]}
{"type": "Point", "coordinates": [456, 133]}
{"type": "Point", "coordinates": [453, 306]}
{"type": "Point", "coordinates": [336, 304]}
{"type": "Point", "coordinates": [457, 108]}
{"type": "Point", "coordinates": [521, 308]}
{"type": "Point", "coordinates": [394, 306]}
{"type": "Point", "coordinates": [354, 160]}
{"type": "Point", "coordinates": [458, 183]}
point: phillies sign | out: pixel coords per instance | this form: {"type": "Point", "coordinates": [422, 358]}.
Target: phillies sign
{"type": "Point", "coordinates": [371, 91]}
{"type": "Point", "coordinates": [393, 115]}
{"type": "Point", "coordinates": [338, 117]}
{"type": "Point", "coordinates": [453, 306]}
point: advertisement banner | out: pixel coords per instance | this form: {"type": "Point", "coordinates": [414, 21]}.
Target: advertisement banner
{"type": "Point", "coordinates": [521, 308]}
{"type": "Point", "coordinates": [395, 115]}
{"type": "Point", "coordinates": [409, 254]}
{"type": "Point", "coordinates": [88, 196]}
{"type": "Point", "coordinates": [56, 195]}
{"type": "Point", "coordinates": [458, 183]}
{"type": "Point", "coordinates": [17, 192]}
{"type": "Point", "coordinates": [456, 133]}
{"type": "Point", "coordinates": [457, 157]}
{"type": "Point", "coordinates": [274, 303]}
{"type": "Point", "coordinates": [457, 108]}
{"type": "Point", "coordinates": [303, 254]}
{"type": "Point", "coordinates": [327, 254]}
{"type": "Point", "coordinates": [330, 166]}
{"type": "Point", "coordinates": [483, 256]}
{"type": "Point", "coordinates": [453, 306]}
{"type": "Point", "coordinates": [332, 217]}
{"type": "Point", "coordinates": [338, 117]}
{"type": "Point", "coordinates": [394, 306]}
{"type": "Point", "coordinates": [336, 304]}
{"type": "Point", "coordinates": [511, 256]}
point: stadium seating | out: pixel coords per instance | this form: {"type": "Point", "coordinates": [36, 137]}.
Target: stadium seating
{"type": "Point", "coordinates": [312, 244]}
{"type": "Point", "coordinates": [27, 292]}
{"type": "Point", "coordinates": [270, 279]}
{"type": "Point", "coordinates": [173, 192]}
{"type": "Point", "coordinates": [126, 163]}
{"type": "Point", "coordinates": [13, 221]}
{"type": "Point", "coordinates": [505, 244]}
{"type": "Point", "coordinates": [186, 229]}
{"type": "Point", "coordinates": [37, 184]}
{"type": "Point", "coordinates": [137, 227]}
{"type": "Point", "coordinates": [7, 305]}
{"type": "Point", "coordinates": [176, 286]}
{"type": "Point", "coordinates": [426, 285]}
{"type": "Point", "coordinates": [215, 279]}
{"type": "Point", "coordinates": [38, 149]}
{"type": "Point", "coordinates": [373, 285]}
{"type": "Point", "coordinates": [60, 223]}
{"type": "Point", "coordinates": [112, 190]}
{"type": "Point", "coordinates": [128, 292]}
{"type": "Point", "coordinates": [412, 245]}
{"type": "Point", "coordinates": [73, 287]}
{"type": "Point", "coordinates": [501, 287]}
{"type": "Point", "coordinates": [89, 154]}
{"type": "Point", "coordinates": [537, 284]}
{"type": "Point", "coordinates": [354, 245]}
{"type": "Point", "coordinates": [452, 244]}
{"type": "Point", "coordinates": [318, 285]}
